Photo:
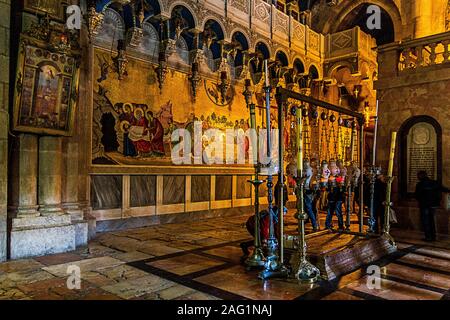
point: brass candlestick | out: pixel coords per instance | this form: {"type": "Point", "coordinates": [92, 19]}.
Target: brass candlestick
{"type": "Point", "coordinates": [304, 271]}
{"type": "Point", "coordinates": [388, 204]}
{"type": "Point", "coordinates": [256, 259]}
{"type": "Point", "coordinates": [272, 264]}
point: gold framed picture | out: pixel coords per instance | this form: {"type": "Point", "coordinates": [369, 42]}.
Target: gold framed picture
{"type": "Point", "coordinates": [46, 89]}
{"type": "Point", "coordinates": [53, 8]}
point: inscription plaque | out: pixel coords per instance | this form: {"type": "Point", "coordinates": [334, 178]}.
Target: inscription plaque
{"type": "Point", "coordinates": [421, 153]}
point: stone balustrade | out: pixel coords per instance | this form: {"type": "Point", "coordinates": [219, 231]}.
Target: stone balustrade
{"type": "Point", "coordinates": [424, 52]}
{"type": "Point", "coordinates": [417, 61]}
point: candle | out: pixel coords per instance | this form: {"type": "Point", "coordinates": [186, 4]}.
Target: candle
{"type": "Point", "coordinates": [392, 154]}
{"type": "Point", "coordinates": [298, 116]}
{"type": "Point", "coordinates": [374, 152]}
{"type": "Point", "coordinates": [266, 72]}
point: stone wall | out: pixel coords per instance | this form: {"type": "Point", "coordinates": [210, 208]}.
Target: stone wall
{"type": "Point", "coordinates": [5, 8]}
{"type": "Point", "coordinates": [420, 92]}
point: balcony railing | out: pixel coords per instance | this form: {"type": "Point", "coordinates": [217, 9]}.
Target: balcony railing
{"type": "Point", "coordinates": [424, 52]}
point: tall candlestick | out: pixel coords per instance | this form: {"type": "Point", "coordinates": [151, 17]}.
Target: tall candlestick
{"type": "Point", "coordinates": [299, 144]}
{"type": "Point", "coordinates": [374, 151]}
{"type": "Point", "coordinates": [392, 154]}
{"type": "Point", "coordinates": [266, 73]}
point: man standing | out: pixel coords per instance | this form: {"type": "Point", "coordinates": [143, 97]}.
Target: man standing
{"type": "Point", "coordinates": [428, 194]}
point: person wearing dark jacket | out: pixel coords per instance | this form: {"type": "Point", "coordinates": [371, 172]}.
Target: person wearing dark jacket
{"type": "Point", "coordinates": [428, 194]}
{"type": "Point", "coordinates": [264, 222]}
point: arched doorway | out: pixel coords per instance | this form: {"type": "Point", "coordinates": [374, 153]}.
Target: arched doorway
{"type": "Point", "coordinates": [420, 149]}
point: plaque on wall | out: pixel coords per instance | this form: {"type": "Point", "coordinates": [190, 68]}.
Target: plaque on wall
{"type": "Point", "coordinates": [422, 153]}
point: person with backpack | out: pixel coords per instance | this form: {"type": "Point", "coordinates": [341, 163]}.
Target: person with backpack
{"type": "Point", "coordinates": [428, 193]}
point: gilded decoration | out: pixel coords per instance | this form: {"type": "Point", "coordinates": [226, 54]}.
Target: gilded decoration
{"type": "Point", "coordinates": [46, 80]}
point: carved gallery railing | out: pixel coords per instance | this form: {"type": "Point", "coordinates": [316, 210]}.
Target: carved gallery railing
{"type": "Point", "coordinates": [424, 52]}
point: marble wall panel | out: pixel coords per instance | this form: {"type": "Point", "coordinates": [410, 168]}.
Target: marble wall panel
{"type": "Point", "coordinates": [106, 192]}
{"type": "Point", "coordinates": [243, 188]}
{"type": "Point", "coordinates": [223, 187]}
{"type": "Point", "coordinates": [142, 191]}
{"type": "Point", "coordinates": [200, 188]}
{"type": "Point", "coordinates": [173, 189]}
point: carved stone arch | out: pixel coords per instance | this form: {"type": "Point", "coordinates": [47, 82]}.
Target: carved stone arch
{"type": "Point", "coordinates": [348, 6]}
{"type": "Point", "coordinates": [329, 69]}
{"type": "Point", "coordinates": [150, 40]}
{"type": "Point", "coordinates": [284, 51]}
{"type": "Point", "coordinates": [217, 19]}
{"type": "Point", "coordinates": [295, 57]}
{"type": "Point", "coordinates": [403, 143]}
{"type": "Point", "coordinates": [319, 70]}
{"type": "Point", "coordinates": [113, 26]}
{"type": "Point", "coordinates": [247, 37]}
{"type": "Point", "coordinates": [188, 7]}
{"type": "Point", "coordinates": [267, 44]}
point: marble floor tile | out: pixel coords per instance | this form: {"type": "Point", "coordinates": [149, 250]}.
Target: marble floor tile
{"type": "Point", "coordinates": [185, 264]}
{"type": "Point", "coordinates": [158, 250]}
{"type": "Point", "coordinates": [339, 295]}
{"type": "Point", "coordinates": [20, 265]}
{"type": "Point", "coordinates": [424, 261]}
{"type": "Point", "coordinates": [431, 279]}
{"type": "Point", "coordinates": [197, 296]}
{"type": "Point", "coordinates": [235, 280]}
{"type": "Point", "coordinates": [58, 258]}
{"type": "Point", "coordinates": [60, 270]}
{"type": "Point", "coordinates": [392, 290]}
{"type": "Point", "coordinates": [131, 256]}
{"type": "Point", "coordinates": [435, 252]}
{"type": "Point", "coordinates": [29, 276]}
{"type": "Point", "coordinates": [232, 253]}
{"type": "Point", "coordinates": [138, 287]}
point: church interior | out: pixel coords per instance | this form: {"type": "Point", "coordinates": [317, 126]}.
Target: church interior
{"type": "Point", "coordinates": [148, 146]}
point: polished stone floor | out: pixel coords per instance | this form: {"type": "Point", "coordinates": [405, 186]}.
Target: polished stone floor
{"type": "Point", "coordinates": [200, 260]}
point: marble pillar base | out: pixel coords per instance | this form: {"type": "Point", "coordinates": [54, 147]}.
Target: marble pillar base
{"type": "Point", "coordinates": [81, 232]}
{"type": "Point", "coordinates": [50, 210]}
{"type": "Point", "coordinates": [37, 236]}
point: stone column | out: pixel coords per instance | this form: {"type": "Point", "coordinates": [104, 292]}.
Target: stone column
{"type": "Point", "coordinates": [23, 177]}
{"type": "Point", "coordinates": [50, 162]}
{"type": "Point", "coordinates": [70, 177]}
{"type": "Point", "coordinates": [5, 9]}
{"type": "Point", "coordinates": [52, 231]}
{"type": "Point", "coordinates": [70, 184]}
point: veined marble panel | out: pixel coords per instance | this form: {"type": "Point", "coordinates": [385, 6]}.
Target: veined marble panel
{"type": "Point", "coordinates": [173, 189]}
{"type": "Point", "coordinates": [106, 192]}
{"type": "Point", "coordinates": [223, 187]}
{"type": "Point", "coordinates": [243, 188]}
{"type": "Point", "coordinates": [200, 188]}
{"type": "Point", "coordinates": [142, 191]}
